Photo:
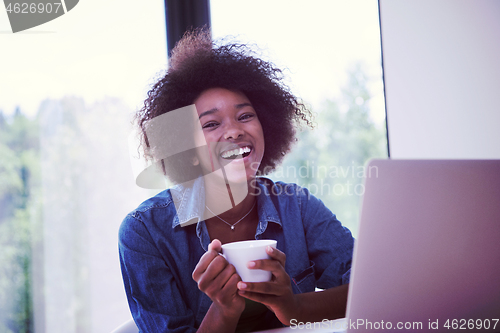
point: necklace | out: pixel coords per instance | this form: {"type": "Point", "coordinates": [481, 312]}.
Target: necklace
{"type": "Point", "coordinates": [229, 224]}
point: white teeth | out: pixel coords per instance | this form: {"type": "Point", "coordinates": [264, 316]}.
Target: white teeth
{"type": "Point", "coordinates": [235, 152]}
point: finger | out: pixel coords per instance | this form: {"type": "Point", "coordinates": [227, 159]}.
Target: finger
{"type": "Point", "coordinates": [276, 254]}
{"type": "Point", "coordinates": [272, 265]}
{"type": "Point", "coordinates": [229, 278]}
{"type": "Point", "coordinates": [215, 245]}
{"type": "Point", "coordinates": [214, 268]}
{"type": "Point", "coordinates": [264, 288]}
{"type": "Point", "coordinates": [212, 282]}
{"type": "Point", "coordinates": [256, 297]}
{"type": "Point", "coordinates": [228, 293]}
{"type": "Point", "coordinates": [231, 285]}
{"type": "Point", "coordinates": [205, 260]}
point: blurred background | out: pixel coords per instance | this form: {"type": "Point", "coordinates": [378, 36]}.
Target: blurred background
{"type": "Point", "coordinates": [68, 89]}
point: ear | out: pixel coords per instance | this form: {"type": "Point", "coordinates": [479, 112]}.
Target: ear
{"type": "Point", "coordinates": [195, 161]}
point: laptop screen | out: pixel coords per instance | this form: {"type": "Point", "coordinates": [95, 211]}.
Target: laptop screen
{"type": "Point", "coordinates": [428, 252]}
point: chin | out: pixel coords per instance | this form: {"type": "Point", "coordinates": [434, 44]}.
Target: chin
{"type": "Point", "coordinates": [236, 172]}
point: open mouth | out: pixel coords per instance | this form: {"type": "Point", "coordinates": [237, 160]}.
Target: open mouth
{"type": "Point", "coordinates": [236, 152]}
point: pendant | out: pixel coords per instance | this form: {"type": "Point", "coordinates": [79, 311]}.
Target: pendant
{"type": "Point", "coordinates": [232, 227]}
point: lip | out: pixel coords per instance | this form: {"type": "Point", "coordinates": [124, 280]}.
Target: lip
{"type": "Point", "coordinates": [229, 147]}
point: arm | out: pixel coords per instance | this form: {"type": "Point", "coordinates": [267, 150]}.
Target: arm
{"type": "Point", "coordinates": [328, 245]}
{"type": "Point", "coordinates": [218, 279]}
{"type": "Point", "coordinates": [278, 295]}
{"type": "Point", "coordinates": [215, 321]}
{"type": "Point", "coordinates": [155, 300]}
{"type": "Point", "coordinates": [327, 304]}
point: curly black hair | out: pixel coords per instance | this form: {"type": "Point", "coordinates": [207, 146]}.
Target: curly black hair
{"type": "Point", "coordinates": [197, 64]}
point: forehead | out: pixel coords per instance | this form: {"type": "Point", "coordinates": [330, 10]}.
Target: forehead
{"type": "Point", "coordinates": [219, 98]}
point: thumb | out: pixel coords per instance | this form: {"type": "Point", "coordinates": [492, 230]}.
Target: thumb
{"type": "Point", "coordinates": [215, 245]}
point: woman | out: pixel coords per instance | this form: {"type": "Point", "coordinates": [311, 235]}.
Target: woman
{"type": "Point", "coordinates": [174, 277]}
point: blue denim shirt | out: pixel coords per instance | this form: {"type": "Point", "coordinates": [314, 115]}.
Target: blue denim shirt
{"type": "Point", "coordinates": [158, 255]}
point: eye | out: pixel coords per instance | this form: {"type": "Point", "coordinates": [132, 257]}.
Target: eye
{"type": "Point", "coordinates": [210, 125]}
{"type": "Point", "coordinates": [247, 116]}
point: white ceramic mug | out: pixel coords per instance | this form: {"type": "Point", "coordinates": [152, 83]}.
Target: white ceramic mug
{"type": "Point", "coordinates": [240, 253]}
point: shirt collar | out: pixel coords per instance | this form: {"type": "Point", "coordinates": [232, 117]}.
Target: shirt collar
{"type": "Point", "coordinates": [189, 200]}
{"type": "Point", "coordinates": [267, 210]}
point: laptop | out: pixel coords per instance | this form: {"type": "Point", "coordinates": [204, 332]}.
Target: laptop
{"type": "Point", "coordinates": [427, 258]}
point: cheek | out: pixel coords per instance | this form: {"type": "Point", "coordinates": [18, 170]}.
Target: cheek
{"type": "Point", "coordinates": [200, 138]}
{"type": "Point", "coordinates": [211, 136]}
{"type": "Point", "coordinates": [259, 132]}
{"type": "Point", "coordinates": [262, 142]}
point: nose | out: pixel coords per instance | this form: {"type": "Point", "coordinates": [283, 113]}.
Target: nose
{"type": "Point", "coordinates": [233, 131]}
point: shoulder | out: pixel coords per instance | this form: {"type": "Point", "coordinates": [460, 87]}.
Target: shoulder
{"type": "Point", "coordinates": [287, 193]}
{"type": "Point", "coordinates": [159, 201]}
{"type": "Point", "coordinates": [282, 189]}
{"type": "Point", "coordinates": [148, 211]}
{"type": "Point", "coordinates": [297, 200]}
{"type": "Point", "coordinates": [290, 198]}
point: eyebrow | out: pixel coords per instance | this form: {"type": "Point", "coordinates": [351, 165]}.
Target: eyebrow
{"type": "Point", "coordinates": [206, 113]}
{"type": "Point", "coordinates": [211, 111]}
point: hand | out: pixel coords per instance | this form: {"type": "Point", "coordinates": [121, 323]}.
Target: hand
{"type": "Point", "coordinates": [218, 279]}
{"type": "Point", "coordinates": [276, 294]}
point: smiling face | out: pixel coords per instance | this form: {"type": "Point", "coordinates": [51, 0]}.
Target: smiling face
{"type": "Point", "coordinates": [233, 132]}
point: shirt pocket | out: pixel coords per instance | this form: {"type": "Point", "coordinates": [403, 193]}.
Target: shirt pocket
{"type": "Point", "coordinates": [305, 281]}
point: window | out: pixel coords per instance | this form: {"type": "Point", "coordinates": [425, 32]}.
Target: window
{"type": "Point", "coordinates": [331, 53]}
{"type": "Point", "coordinates": [68, 88]}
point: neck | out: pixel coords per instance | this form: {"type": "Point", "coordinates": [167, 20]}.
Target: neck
{"type": "Point", "coordinates": [229, 204]}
